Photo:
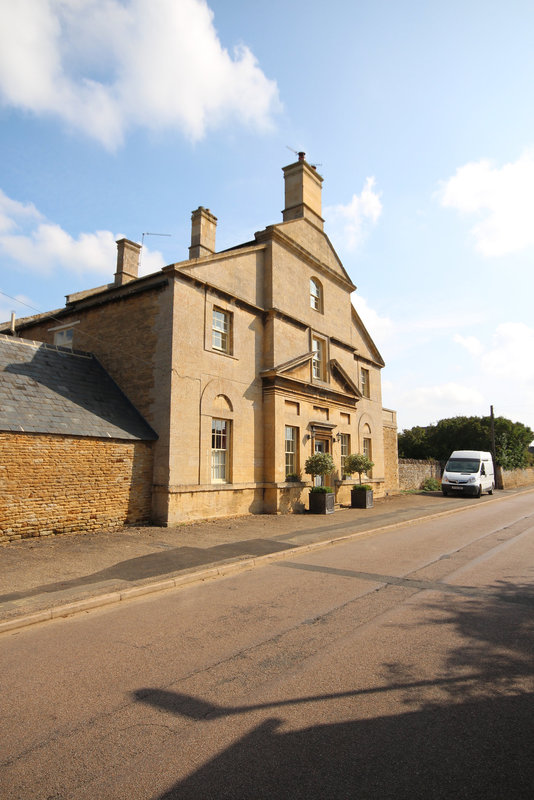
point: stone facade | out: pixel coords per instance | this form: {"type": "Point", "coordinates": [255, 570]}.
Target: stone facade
{"type": "Point", "coordinates": [67, 484]}
{"type": "Point", "coordinates": [413, 472]}
{"type": "Point", "coordinates": [227, 354]}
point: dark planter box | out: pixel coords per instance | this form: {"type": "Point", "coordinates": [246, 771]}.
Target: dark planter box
{"type": "Point", "coordinates": [361, 498]}
{"type": "Point", "coordinates": [322, 502]}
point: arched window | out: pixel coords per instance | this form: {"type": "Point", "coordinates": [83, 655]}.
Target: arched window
{"type": "Point", "coordinates": [367, 446]}
{"type": "Point", "coordinates": [316, 295]}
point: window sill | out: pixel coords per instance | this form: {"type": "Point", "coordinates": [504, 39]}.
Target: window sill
{"type": "Point", "coordinates": [221, 353]}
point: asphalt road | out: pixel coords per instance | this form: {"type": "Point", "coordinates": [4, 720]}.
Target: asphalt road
{"type": "Point", "coordinates": [396, 666]}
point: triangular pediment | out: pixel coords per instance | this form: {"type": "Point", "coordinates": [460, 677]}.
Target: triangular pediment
{"type": "Point", "coordinates": [311, 244]}
{"type": "Point", "coordinates": [343, 380]}
{"type": "Point", "coordinates": [364, 344]}
{"type": "Point", "coordinates": [293, 366]}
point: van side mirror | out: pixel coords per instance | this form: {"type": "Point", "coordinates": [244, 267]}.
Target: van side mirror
{"type": "Point", "coordinates": [483, 470]}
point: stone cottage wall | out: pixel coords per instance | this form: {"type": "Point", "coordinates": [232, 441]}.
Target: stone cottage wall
{"type": "Point", "coordinates": [412, 472]}
{"type": "Point", "coordinates": [66, 484]}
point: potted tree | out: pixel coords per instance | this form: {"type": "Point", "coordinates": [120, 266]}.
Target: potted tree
{"type": "Point", "coordinates": [321, 497]}
{"type": "Point", "coordinates": [361, 496]}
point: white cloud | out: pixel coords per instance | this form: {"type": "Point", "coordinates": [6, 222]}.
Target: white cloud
{"type": "Point", "coordinates": [511, 355]}
{"type": "Point", "coordinates": [380, 328]}
{"type": "Point", "coordinates": [503, 200]}
{"type": "Point", "coordinates": [12, 211]}
{"type": "Point", "coordinates": [36, 245]}
{"type": "Point", "coordinates": [351, 223]}
{"type": "Point", "coordinates": [471, 344]}
{"type": "Point", "coordinates": [500, 373]}
{"type": "Point", "coordinates": [103, 66]}
{"type": "Point", "coordinates": [48, 247]}
{"type": "Point", "coordinates": [507, 354]}
{"type": "Point", "coordinates": [424, 405]}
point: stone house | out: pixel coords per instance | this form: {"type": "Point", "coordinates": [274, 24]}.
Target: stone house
{"type": "Point", "coordinates": [243, 361]}
{"type": "Point", "coordinates": [75, 455]}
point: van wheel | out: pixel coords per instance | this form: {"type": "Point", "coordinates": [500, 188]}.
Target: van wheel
{"type": "Point", "coordinates": [479, 493]}
{"type": "Point", "coordinates": [490, 491]}
{"type": "Point", "coordinates": [445, 492]}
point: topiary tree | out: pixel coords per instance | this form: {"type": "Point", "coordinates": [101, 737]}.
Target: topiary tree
{"type": "Point", "coordinates": [319, 464]}
{"type": "Point", "coordinates": [358, 462]}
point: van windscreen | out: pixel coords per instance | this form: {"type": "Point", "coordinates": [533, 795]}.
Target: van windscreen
{"type": "Point", "coordinates": [463, 465]}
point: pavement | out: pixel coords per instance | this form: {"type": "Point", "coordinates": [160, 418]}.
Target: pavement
{"type": "Point", "coordinates": [56, 576]}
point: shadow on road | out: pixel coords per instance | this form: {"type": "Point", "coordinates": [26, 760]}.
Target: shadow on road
{"type": "Point", "coordinates": [476, 741]}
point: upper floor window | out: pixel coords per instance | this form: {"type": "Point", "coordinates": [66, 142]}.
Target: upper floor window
{"type": "Point", "coordinates": [316, 295]}
{"type": "Point", "coordinates": [364, 382]}
{"type": "Point", "coordinates": [319, 358]}
{"type": "Point", "coordinates": [63, 335]}
{"type": "Point", "coordinates": [221, 330]}
{"type": "Point", "coordinates": [64, 338]}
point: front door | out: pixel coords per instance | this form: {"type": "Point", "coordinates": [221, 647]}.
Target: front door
{"type": "Point", "coordinates": [322, 445]}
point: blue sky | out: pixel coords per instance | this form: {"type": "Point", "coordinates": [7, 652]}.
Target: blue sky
{"type": "Point", "coordinates": [118, 118]}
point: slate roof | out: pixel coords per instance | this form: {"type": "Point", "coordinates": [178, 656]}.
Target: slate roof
{"type": "Point", "coordinates": [49, 389]}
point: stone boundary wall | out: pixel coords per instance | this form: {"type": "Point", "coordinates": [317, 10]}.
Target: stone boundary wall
{"type": "Point", "coordinates": [66, 484]}
{"type": "Point", "coordinates": [515, 478]}
{"type": "Point", "coordinates": [412, 472]}
{"type": "Point", "coordinates": [391, 460]}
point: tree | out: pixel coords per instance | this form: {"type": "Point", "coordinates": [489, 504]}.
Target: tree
{"type": "Point", "coordinates": [469, 433]}
{"type": "Point", "coordinates": [319, 464]}
{"type": "Point", "coordinates": [357, 462]}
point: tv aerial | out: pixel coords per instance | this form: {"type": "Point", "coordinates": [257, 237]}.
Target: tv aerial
{"type": "Point", "coordinates": [302, 156]}
{"type": "Point", "coordinates": [148, 233]}
{"type": "Point", "coordinates": [152, 234]}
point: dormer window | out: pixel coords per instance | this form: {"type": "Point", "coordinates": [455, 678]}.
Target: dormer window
{"type": "Point", "coordinates": [63, 335]}
{"type": "Point", "coordinates": [316, 295]}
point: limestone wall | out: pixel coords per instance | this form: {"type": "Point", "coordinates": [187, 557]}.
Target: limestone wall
{"type": "Point", "coordinates": [512, 479]}
{"type": "Point", "coordinates": [66, 484]}
{"type": "Point", "coordinates": [391, 458]}
{"type": "Point", "coordinates": [412, 472]}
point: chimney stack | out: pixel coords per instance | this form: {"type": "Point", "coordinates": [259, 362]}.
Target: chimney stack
{"type": "Point", "coordinates": [203, 228]}
{"type": "Point", "coordinates": [302, 192]}
{"type": "Point", "coordinates": [127, 261]}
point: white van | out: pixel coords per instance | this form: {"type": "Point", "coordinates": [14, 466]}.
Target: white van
{"type": "Point", "coordinates": [468, 472]}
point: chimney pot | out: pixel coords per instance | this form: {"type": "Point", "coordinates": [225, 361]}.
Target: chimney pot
{"type": "Point", "coordinates": [127, 261]}
{"type": "Point", "coordinates": [203, 229]}
{"type": "Point", "coordinates": [302, 192]}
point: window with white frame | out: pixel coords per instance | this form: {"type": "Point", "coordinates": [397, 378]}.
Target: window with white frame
{"type": "Point", "coordinates": [291, 450]}
{"type": "Point", "coordinates": [319, 358]}
{"type": "Point", "coordinates": [221, 330]}
{"type": "Point", "coordinates": [64, 338]}
{"type": "Point", "coordinates": [316, 294]}
{"type": "Point", "coordinates": [367, 451]}
{"type": "Point", "coordinates": [344, 441]}
{"type": "Point", "coordinates": [364, 382]}
{"type": "Point", "coordinates": [63, 335]}
{"type": "Point", "coordinates": [220, 449]}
